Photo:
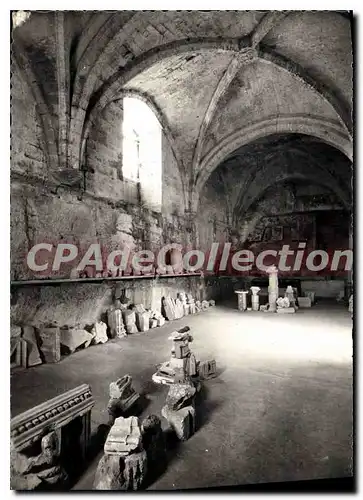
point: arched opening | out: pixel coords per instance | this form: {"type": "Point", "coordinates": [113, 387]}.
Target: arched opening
{"type": "Point", "coordinates": [142, 153]}
{"type": "Point", "coordinates": [282, 189]}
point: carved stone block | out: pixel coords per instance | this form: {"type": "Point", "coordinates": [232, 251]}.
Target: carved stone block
{"type": "Point", "coordinates": [74, 338]}
{"type": "Point", "coordinates": [122, 396]}
{"type": "Point", "coordinates": [124, 437]}
{"type": "Point", "coordinates": [207, 369]}
{"type": "Point", "coordinates": [110, 473]}
{"type": "Point", "coordinates": [135, 470]}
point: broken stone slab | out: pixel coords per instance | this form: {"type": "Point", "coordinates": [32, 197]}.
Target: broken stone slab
{"type": "Point", "coordinates": [154, 443]}
{"type": "Point", "coordinates": [129, 317]}
{"type": "Point", "coordinates": [50, 344]}
{"type": "Point", "coordinates": [122, 396]}
{"type": "Point", "coordinates": [135, 470]}
{"type": "Point", "coordinates": [99, 333]}
{"type": "Point", "coordinates": [109, 474]}
{"type": "Point", "coordinates": [207, 369]}
{"type": "Point", "coordinates": [115, 323]}
{"type": "Point", "coordinates": [286, 310]}
{"type": "Point", "coordinates": [304, 301]}
{"type": "Point", "coordinates": [124, 437]}
{"type": "Point", "coordinates": [212, 303]}
{"type": "Point", "coordinates": [73, 338]}
{"type": "Point", "coordinates": [153, 323]}
{"type": "Point", "coordinates": [33, 354]}
{"type": "Point", "coordinates": [179, 396]}
{"type": "Point", "coordinates": [143, 321]}
{"type": "Point", "coordinates": [181, 421]}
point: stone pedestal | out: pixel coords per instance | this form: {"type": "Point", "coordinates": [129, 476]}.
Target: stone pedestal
{"type": "Point", "coordinates": [242, 299]}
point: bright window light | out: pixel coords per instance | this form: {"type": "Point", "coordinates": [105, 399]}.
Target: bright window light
{"type": "Point", "coordinates": [142, 160]}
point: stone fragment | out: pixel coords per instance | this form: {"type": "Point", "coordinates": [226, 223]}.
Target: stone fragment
{"type": "Point", "coordinates": [122, 396]}
{"type": "Point", "coordinates": [161, 321]}
{"type": "Point", "coordinates": [205, 305]}
{"type": "Point", "coordinates": [109, 474]}
{"type": "Point", "coordinates": [50, 344]}
{"type": "Point", "coordinates": [115, 323]}
{"type": "Point", "coordinates": [124, 437]}
{"type": "Point", "coordinates": [143, 321]}
{"type": "Point", "coordinates": [169, 308]}
{"type": "Point", "coordinates": [191, 366]}
{"type": "Point", "coordinates": [286, 310]}
{"type": "Point", "coordinates": [179, 309]}
{"type": "Point", "coordinates": [135, 470]}
{"type": "Point", "coordinates": [33, 354]}
{"type": "Point", "coordinates": [181, 421]}
{"type": "Point", "coordinates": [311, 296]}
{"type": "Point", "coordinates": [264, 307]}
{"type": "Point", "coordinates": [154, 443]}
{"type": "Point", "coordinates": [207, 369]}
{"type": "Point", "coordinates": [212, 303]}
{"type": "Point", "coordinates": [99, 333]}
{"type": "Point", "coordinates": [73, 338]}
{"type": "Point", "coordinates": [179, 396]}
{"type": "Point", "coordinates": [198, 305]}
{"type": "Point", "coordinates": [130, 321]}
{"type": "Point", "coordinates": [304, 301]}
{"type": "Point", "coordinates": [26, 470]}
{"type": "Point", "coordinates": [21, 353]}
{"type": "Point", "coordinates": [350, 306]}
{"type": "Point", "coordinates": [15, 334]}
{"type": "Point", "coordinates": [283, 302]}
{"type": "Point", "coordinates": [180, 349]}
{"type": "Point", "coordinates": [153, 323]}
{"type": "Point", "coordinates": [255, 299]}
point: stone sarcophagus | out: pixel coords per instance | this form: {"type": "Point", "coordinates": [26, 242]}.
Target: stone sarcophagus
{"type": "Point", "coordinates": [67, 416]}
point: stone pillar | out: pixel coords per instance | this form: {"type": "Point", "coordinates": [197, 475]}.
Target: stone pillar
{"type": "Point", "coordinates": [273, 287]}
{"type": "Point", "coordinates": [242, 299]}
{"type": "Point", "coordinates": [255, 298]}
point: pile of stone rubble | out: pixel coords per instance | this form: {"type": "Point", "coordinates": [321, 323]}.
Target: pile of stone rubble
{"type": "Point", "coordinates": [30, 346]}
{"type": "Point", "coordinates": [134, 452]}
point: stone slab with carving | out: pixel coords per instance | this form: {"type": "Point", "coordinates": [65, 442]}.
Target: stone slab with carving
{"type": "Point", "coordinates": [181, 421]}
{"type": "Point", "coordinates": [115, 323]}
{"type": "Point", "coordinates": [124, 437]}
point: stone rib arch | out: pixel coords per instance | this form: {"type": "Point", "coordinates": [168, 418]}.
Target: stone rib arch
{"type": "Point", "coordinates": [328, 131]}
{"type": "Point", "coordinates": [48, 138]}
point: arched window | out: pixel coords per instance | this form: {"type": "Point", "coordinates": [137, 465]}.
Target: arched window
{"type": "Point", "coordinates": [141, 152]}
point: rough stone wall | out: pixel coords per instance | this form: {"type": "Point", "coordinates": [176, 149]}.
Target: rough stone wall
{"type": "Point", "coordinates": [27, 155]}
{"type": "Point", "coordinates": [85, 303]}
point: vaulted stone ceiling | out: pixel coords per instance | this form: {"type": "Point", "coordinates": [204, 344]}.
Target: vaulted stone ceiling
{"type": "Point", "coordinates": [217, 78]}
{"type": "Point", "coordinates": [250, 170]}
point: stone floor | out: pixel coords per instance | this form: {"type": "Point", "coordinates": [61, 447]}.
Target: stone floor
{"type": "Point", "coordinates": [280, 409]}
